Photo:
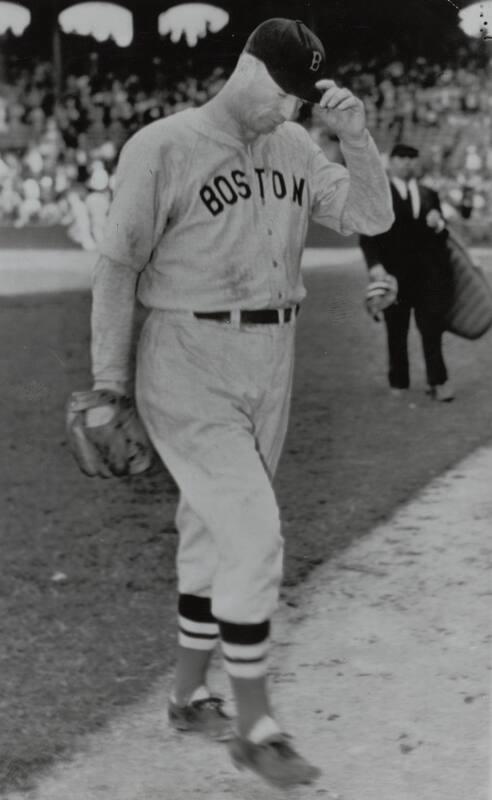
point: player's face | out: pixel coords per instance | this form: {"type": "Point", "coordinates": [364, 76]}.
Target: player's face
{"type": "Point", "coordinates": [269, 106]}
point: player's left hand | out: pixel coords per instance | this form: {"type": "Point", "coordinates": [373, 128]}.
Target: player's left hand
{"type": "Point", "coordinates": [105, 434]}
{"type": "Point", "coordinates": [345, 113]}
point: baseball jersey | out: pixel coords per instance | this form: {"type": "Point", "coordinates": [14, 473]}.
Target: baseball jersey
{"type": "Point", "coordinates": [208, 223]}
{"type": "Point", "coordinates": [214, 224]}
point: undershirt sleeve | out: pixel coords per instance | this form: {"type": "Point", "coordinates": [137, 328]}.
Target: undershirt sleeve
{"type": "Point", "coordinates": [355, 198]}
{"type": "Point", "coordinates": [112, 324]}
{"type": "Point", "coordinates": [141, 204]}
{"type": "Point", "coordinates": [136, 222]}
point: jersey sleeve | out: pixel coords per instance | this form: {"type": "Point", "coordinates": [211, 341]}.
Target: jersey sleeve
{"type": "Point", "coordinates": [141, 204]}
{"type": "Point", "coordinates": [355, 198]}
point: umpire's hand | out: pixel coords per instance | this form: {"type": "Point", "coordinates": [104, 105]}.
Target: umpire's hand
{"type": "Point", "coordinates": [435, 220]}
{"type": "Point", "coordinates": [345, 113]}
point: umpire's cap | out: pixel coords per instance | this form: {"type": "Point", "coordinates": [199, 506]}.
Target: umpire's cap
{"type": "Point", "coordinates": [404, 151]}
{"type": "Point", "coordinates": [292, 54]}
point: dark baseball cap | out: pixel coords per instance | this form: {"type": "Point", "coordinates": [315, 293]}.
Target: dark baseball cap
{"type": "Point", "coordinates": [404, 151]}
{"type": "Point", "coordinates": [292, 54]}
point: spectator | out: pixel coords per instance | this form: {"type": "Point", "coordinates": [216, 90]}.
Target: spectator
{"type": "Point", "coordinates": [98, 200]}
{"type": "Point", "coordinates": [78, 218]}
{"type": "Point", "coordinates": [444, 109]}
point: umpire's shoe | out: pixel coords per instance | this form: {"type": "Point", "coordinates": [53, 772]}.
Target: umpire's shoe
{"type": "Point", "coordinates": [274, 760]}
{"type": "Point", "coordinates": [205, 716]}
{"type": "Point", "coordinates": [444, 392]}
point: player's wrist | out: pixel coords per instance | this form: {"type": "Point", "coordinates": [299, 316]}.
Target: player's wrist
{"type": "Point", "coordinates": [119, 387]}
{"type": "Point", "coordinates": [358, 142]}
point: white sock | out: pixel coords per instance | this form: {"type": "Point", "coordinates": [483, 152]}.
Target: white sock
{"type": "Point", "coordinates": [200, 693]}
{"type": "Point", "coordinates": [261, 730]}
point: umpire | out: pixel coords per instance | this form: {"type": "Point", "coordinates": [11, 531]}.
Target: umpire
{"type": "Point", "coordinates": [414, 251]}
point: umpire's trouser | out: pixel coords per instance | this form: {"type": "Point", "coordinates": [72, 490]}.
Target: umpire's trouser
{"type": "Point", "coordinates": [429, 324]}
{"type": "Point", "coordinates": [215, 400]}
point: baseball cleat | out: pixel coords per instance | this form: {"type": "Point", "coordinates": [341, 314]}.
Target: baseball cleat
{"type": "Point", "coordinates": [274, 760]}
{"type": "Point", "coordinates": [206, 717]}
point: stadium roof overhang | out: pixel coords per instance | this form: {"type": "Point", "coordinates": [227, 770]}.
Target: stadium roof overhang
{"type": "Point", "coordinates": [476, 19]}
{"type": "Point", "coordinates": [152, 7]}
{"type": "Point", "coordinates": [126, 19]}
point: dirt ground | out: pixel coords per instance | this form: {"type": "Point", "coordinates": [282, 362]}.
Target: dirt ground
{"type": "Point", "coordinates": [87, 584]}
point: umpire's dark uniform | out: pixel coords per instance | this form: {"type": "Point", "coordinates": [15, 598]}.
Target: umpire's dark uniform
{"type": "Point", "coordinates": [417, 256]}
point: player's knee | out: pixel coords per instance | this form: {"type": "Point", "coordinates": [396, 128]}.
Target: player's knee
{"type": "Point", "coordinates": [250, 573]}
{"type": "Point", "coordinates": [261, 517]}
{"type": "Point", "coordinates": [248, 591]}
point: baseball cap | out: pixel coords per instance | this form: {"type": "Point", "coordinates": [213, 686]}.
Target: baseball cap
{"type": "Point", "coordinates": [404, 151]}
{"type": "Point", "coordinates": [292, 54]}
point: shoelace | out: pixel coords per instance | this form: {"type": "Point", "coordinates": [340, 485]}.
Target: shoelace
{"type": "Point", "coordinates": [280, 744]}
{"type": "Point", "coordinates": [210, 702]}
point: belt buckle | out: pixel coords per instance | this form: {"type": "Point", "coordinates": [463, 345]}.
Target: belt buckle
{"type": "Point", "coordinates": [281, 316]}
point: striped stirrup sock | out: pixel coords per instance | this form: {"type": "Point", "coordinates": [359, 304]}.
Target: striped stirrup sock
{"type": "Point", "coordinates": [245, 648]}
{"type": "Point", "coordinates": [198, 628]}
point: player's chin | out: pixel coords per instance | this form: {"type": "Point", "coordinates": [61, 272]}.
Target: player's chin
{"type": "Point", "coordinates": [272, 125]}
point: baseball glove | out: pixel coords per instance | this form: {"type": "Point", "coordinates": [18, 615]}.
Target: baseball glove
{"type": "Point", "coordinates": [380, 294]}
{"type": "Point", "coordinates": [105, 435]}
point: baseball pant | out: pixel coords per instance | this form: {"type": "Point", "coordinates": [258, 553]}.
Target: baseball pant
{"type": "Point", "coordinates": [215, 400]}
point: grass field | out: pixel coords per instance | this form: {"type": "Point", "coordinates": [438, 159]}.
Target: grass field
{"type": "Point", "coordinates": [87, 584]}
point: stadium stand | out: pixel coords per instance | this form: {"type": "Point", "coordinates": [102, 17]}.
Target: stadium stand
{"type": "Point", "coordinates": [58, 155]}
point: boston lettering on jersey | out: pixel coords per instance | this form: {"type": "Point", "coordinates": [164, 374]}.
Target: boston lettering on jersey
{"type": "Point", "coordinates": [224, 191]}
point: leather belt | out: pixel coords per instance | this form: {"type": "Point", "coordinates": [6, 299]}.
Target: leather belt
{"type": "Point", "coordinates": [261, 316]}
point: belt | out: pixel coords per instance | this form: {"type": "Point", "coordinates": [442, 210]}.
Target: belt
{"type": "Point", "coordinates": [261, 316]}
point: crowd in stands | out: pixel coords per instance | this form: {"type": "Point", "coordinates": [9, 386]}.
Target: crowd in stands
{"type": "Point", "coordinates": [447, 113]}
{"type": "Point", "coordinates": [58, 154]}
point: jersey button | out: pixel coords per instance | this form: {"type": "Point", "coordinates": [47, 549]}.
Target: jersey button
{"type": "Point", "coordinates": [275, 263]}
{"type": "Point", "coordinates": [270, 232]}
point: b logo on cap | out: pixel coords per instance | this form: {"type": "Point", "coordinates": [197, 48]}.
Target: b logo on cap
{"type": "Point", "coordinates": [316, 61]}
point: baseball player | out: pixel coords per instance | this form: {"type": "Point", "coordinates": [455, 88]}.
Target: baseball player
{"type": "Point", "coordinates": [207, 227]}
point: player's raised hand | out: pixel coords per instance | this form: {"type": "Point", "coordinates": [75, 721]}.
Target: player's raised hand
{"type": "Point", "coordinates": [345, 113]}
